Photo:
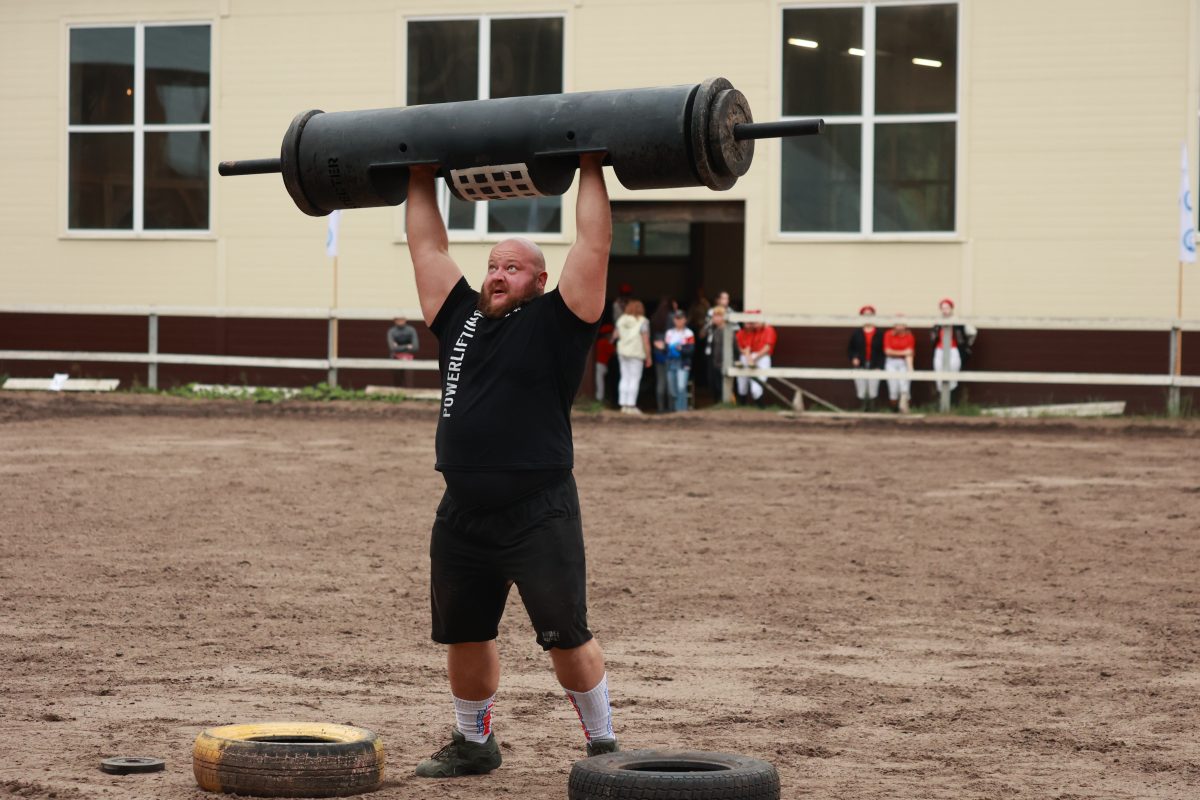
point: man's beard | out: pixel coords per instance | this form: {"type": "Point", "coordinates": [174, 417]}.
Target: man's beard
{"type": "Point", "coordinates": [509, 302]}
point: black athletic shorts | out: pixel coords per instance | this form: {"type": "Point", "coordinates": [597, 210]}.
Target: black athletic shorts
{"type": "Point", "coordinates": [536, 543]}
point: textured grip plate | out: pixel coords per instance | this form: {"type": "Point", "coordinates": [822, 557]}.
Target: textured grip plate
{"type": "Point", "coordinates": [498, 182]}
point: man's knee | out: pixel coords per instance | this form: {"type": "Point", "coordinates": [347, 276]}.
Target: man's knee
{"type": "Point", "coordinates": [579, 668]}
{"type": "Point", "coordinates": [474, 669]}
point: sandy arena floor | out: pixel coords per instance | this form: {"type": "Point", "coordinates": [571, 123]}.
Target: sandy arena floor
{"type": "Point", "coordinates": [894, 610]}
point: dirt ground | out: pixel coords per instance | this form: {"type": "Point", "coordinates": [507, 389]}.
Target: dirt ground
{"type": "Point", "coordinates": [924, 609]}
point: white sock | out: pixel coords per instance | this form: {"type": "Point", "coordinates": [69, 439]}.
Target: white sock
{"type": "Point", "coordinates": [474, 718]}
{"type": "Point", "coordinates": [595, 713]}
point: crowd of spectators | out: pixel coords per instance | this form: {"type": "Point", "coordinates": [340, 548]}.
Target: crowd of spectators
{"type": "Point", "coordinates": [687, 351]}
{"type": "Point", "coordinates": [895, 352]}
{"type": "Point", "coordinates": [686, 347]}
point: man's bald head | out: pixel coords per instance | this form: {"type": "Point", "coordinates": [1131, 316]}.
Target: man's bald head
{"type": "Point", "coordinates": [516, 273]}
{"type": "Point", "coordinates": [532, 252]}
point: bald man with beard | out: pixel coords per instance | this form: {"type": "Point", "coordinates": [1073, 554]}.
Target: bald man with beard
{"type": "Point", "coordinates": [512, 356]}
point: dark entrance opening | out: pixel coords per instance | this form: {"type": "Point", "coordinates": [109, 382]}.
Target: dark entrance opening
{"type": "Point", "coordinates": [676, 251]}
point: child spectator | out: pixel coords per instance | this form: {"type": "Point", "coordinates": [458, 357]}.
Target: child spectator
{"type": "Point", "coordinates": [680, 344]}
{"type": "Point", "coordinates": [660, 323]}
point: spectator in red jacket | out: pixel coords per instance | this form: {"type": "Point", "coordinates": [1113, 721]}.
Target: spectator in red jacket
{"type": "Point", "coordinates": [962, 337]}
{"type": "Point", "coordinates": [604, 353]}
{"type": "Point", "coordinates": [756, 345]}
{"type": "Point", "coordinates": [899, 346]}
{"type": "Point", "coordinates": [866, 352]}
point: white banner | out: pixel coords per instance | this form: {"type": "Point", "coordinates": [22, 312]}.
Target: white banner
{"type": "Point", "coordinates": [331, 238]}
{"type": "Point", "coordinates": [1187, 219]}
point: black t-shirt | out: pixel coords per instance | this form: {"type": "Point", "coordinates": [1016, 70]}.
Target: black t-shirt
{"type": "Point", "coordinates": [508, 384]}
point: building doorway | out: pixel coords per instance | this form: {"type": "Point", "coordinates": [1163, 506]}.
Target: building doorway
{"type": "Point", "coordinates": [677, 251]}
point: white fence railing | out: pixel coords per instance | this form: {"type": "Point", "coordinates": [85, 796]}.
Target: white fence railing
{"type": "Point", "coordinates": [152, 357]}
{"type": "Point", "coordinates": [331, 363]}
{"type": "Point", "coordinates": [1170, 379]}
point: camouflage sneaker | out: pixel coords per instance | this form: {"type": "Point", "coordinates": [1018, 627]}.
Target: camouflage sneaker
{"type": "Point", "coordinates": [599, 747]}
{"type": "Point", "coordinates": [461, 757]}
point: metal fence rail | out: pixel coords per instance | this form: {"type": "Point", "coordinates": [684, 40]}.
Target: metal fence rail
{"type": "Point", "coordinates": [1170, 380]}
{"type": "Point", "coordinates": [331, 363]}
{"type": "Point", "coordinates": [216, 361]}
{"type": "Point", "coordinates": [152, 357]}
{"type": "Point", "coordinates": [1065, 378]}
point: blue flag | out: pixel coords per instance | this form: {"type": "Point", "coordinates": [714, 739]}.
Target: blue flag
{"type": "Point", "coordinates": [1187, 220]}
{"type": "Point", "coordinates": [331, 238]}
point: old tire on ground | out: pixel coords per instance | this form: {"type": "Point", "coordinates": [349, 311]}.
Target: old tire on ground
{"type": "Point", "coordinates": [671, 774]}
{"type": "Point", "coordinates": [288, 759]}
{"type": "Point", "coordinates": [132, 765]}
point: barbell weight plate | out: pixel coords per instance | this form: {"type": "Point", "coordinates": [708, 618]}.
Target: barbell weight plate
{"type": "Point", "coordinates": [702, 109]}
{"type": "Point", "coordinates": [729, 156]}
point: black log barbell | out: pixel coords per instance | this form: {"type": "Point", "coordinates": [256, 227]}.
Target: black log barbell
{"type": "Point", "coordinates": [657, 138]}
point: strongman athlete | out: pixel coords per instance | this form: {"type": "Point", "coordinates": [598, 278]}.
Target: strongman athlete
{"type": "Point", "coordinates": [512, 357]}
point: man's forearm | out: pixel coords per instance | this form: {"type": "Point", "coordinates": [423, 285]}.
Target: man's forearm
{"type": "Point", "coordinates": [428, 245]}
{"type": "Point", "coordinates": [584, 272]}
{"type": "Point", "coordinates": [423, 219]}
{"type": "Point", "coordinates": [593, 215]}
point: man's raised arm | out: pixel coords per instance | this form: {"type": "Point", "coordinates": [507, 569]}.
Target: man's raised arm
{"type": "Point", "coordinates": [428, 245]}
{"type": "Point", "coordinates": [586, 269]}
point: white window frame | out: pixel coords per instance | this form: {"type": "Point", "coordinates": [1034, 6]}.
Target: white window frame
{"type": "Point", "coordinates": [868, 119]}
{"type": "Point", "coordinates": [483, 88]}
{"type": "Point", "coordinates": [139, 128]}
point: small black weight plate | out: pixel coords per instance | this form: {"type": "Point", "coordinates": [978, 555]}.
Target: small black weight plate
{"type": "Point", "coordinates": [129, 765]}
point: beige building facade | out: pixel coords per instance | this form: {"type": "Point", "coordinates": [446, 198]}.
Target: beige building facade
{"type": "Point", "coordinates": [1048, 188]}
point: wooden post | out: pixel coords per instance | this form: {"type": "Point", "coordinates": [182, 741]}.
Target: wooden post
{"type": "Point", "coordinates": [152, 369]}
{"type": "Point", "coordinates": [333, 328]}
{"type": "Point", "coordinates": [727, 351]}
{"type": "Point", "coordinates": [947, 342]}
{"type": "Point", "coordinates": [1174, 407]}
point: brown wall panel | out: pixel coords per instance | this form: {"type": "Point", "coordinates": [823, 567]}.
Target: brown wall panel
{"type": "Point", "coordinates": [269, 338]}
{"type": "Point", "coordinates": [116, 334]}
{"type": "Point", "coordinates": [1036, 351]}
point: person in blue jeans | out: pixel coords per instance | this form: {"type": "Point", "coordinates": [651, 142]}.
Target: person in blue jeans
{"type": "Point", "coordinates": [680, 343]}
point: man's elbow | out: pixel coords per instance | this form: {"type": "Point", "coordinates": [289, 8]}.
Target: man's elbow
{"type": "Point", "coordinates": [428, 249]}
{"type": "Point", "coordinates": [594, 248]}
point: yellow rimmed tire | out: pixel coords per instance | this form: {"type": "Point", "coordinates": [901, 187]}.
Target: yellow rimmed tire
{"type": "Point", "coordinates": [288, 759]}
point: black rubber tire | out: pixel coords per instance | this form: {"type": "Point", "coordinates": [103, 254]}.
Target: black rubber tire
{"type": "Point", "coordinates": [132, 765]}
{"type": "Point", "coordinates": [672, 775]}
{"type": "Point", "coordinates": [288, 759]}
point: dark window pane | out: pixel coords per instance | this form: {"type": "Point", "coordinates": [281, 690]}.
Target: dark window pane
{"type": "Point", "coordinates": [176, 190]}
{"type": "Point", "coordinates": [928, 34]}
{"type": "Point", "coordinates": [527, 57]}
{"type": "Point", "coordinates": [667, 238]}
{"type": "Point", "coordinates": [525, 215]}
{"type": "Point", "coordinates": [101, 76]}
{"type": "Point", "coordinates": [101, 181]}
{"type": "Point", "coordinates": [822, 61]}
{"type": "Point", "coordinates": [177, 74]}
{"type": "Point", "coordinates": [462, 214]}
{"type": "Point", "coordinates": [821, 181]}
{"type": "Point", "coordinates": [914, 177]}
{"type": "Point", "coordinates": [443, 61]}
{"type": "Point", "coordinates": [626, 238]}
